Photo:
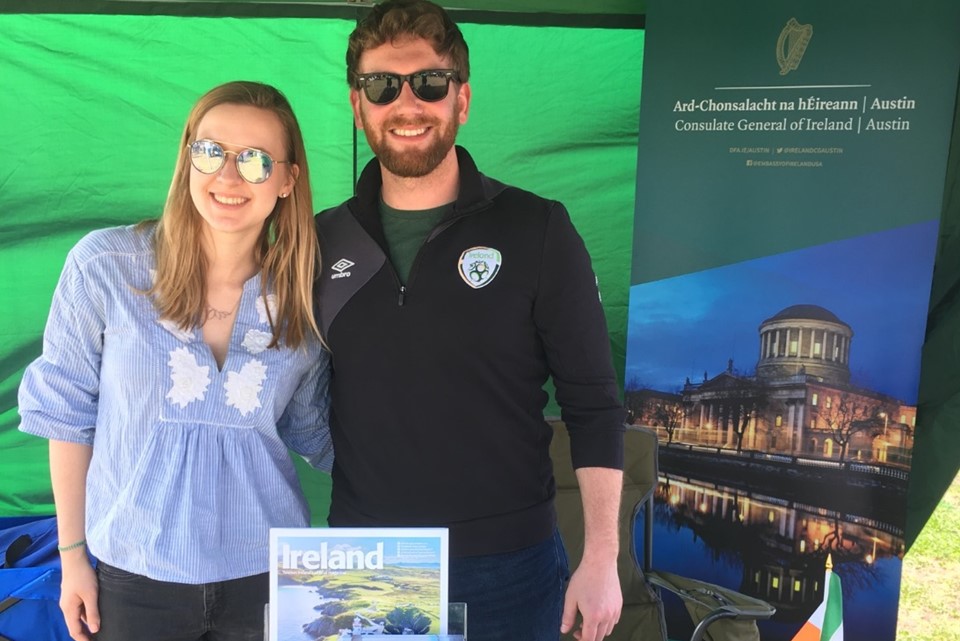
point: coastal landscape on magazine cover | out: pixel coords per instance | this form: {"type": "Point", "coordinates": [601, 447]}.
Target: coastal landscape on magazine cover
{"type": "Point", "coordinates": [334, 588]}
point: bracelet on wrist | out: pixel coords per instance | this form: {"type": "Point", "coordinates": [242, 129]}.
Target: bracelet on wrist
{"type": "Point", "coordinates": [72, 546]}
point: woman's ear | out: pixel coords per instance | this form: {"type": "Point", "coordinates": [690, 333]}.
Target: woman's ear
{"type": "Point", "coordinates": [291, 180]}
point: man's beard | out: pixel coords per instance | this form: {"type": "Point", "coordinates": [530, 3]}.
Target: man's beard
{"type": "Point", "coordinates": [412, 163]}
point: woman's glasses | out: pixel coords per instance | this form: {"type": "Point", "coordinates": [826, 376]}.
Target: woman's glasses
{"type": "Point", "coordinates": [253, 165]}
{"type": "Point", "coordinates": [429, 85]}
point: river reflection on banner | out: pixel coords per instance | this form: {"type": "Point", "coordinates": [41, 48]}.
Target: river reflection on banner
{"type": "Point", "coordinates": [774, 549]}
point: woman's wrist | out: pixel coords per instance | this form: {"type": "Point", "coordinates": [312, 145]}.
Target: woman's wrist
{"type": "Point", "coordinates": [76, 545]}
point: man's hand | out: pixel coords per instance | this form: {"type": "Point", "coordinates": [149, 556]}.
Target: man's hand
{"type": "Point", "coordinates": [78, 595]}
{"type": "Point", "coordinates": [594, 588]}
{"type": "Point", "coordinates": [594, 591]}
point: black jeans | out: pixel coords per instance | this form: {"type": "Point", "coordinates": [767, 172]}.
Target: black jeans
{"type": "Point", "coordinates": [135, 608]}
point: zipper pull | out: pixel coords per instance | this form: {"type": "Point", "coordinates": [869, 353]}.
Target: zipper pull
{"type": "Point", "coordinates": [403, 292]}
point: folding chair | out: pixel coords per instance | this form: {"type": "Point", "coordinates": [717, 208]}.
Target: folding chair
{"type": "Point", "coordinates": [729, 615]}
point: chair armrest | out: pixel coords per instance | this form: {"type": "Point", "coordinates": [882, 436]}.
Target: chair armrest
{"type": "Point", "coordinates": [708, 603]}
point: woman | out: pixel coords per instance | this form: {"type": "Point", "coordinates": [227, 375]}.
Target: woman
{"type": "Point", "coordinates": [181, 360]}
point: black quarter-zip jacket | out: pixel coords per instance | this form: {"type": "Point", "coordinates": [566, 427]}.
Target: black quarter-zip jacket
{"type": "Point", "coordinates": [437, 387]}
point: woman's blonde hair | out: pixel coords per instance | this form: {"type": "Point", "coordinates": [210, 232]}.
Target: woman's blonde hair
{"type": "Point", "coordinates": [287, 250]}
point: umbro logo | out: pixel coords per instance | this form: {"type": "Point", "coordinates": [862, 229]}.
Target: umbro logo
{"type": "Point", "coordinates": [341, 267]}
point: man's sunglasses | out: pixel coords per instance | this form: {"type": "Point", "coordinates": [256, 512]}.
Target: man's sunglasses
{"type": "Point", "coordinates": [253, 165]}
{"type": "Point", "coordinates": [429, 85]}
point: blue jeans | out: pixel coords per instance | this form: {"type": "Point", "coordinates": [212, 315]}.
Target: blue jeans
{"type": "Point", "coordinates": [135, 608]}
{"type": "Point", "coordinates": [517, 596]}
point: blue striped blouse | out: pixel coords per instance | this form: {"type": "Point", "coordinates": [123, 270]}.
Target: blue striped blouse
{"type": "Point", "coordinates": [190, 464]}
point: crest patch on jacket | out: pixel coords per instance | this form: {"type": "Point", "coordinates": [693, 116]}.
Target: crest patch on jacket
{"type": "Point", "coordinates": [479, 266]}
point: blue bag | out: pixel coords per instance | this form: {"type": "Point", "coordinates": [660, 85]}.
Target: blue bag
{"type": "Point", "coordinates": [30, 583]}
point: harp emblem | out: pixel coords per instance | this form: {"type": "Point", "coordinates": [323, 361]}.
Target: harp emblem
{"type": "Point", "coordinates": [792, 44]}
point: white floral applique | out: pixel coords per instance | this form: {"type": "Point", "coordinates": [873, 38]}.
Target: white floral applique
{"type": "Point", "coordinates": [262, 308]}
{"type": "Point", "coordinates": [183, 335]}
{"type": "Point", "coordinates": [243, 387]}
{"type": "Point", "coordinates": [190, 379]}
{"type": "Point", "coordinates": [255, 341]}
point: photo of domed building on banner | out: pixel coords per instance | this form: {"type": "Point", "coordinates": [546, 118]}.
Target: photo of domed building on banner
{"type": "Point", "coordinates": [797, 400]}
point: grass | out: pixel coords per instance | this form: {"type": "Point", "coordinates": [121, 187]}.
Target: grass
{"type": "Point", "coordinates": [930, 585]}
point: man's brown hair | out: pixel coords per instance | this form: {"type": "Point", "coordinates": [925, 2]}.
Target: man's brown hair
{"type": "Point", "coordinates": [397, 20]}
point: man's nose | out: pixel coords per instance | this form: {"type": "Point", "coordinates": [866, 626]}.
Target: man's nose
{"type": "Point", "coordinates": [406, 93]}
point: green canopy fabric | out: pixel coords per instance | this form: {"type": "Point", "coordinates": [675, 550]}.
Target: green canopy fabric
{"type": "Point", "coordinates": [97, 103]}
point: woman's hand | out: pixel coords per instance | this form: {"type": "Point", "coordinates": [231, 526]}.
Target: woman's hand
{"type": "Point", "coordinates": [78, 595]}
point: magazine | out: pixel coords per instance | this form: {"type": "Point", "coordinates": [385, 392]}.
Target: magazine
{"type": "Point", "coordinates": [337, 584]}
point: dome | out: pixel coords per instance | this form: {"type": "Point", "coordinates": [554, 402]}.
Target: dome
{"type": "Point", "coordinates": [806, 312]}
{"type": "Point", "coordinates": [807, 340]}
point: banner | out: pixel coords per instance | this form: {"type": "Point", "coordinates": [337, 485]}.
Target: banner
{"type": "Point", "coordinates": [789, 188]}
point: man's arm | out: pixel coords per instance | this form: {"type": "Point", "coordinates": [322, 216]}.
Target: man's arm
{"type": "Point", "coordinates": [573, 329]}
{"type": "Point", "coordinates": [594, 588]}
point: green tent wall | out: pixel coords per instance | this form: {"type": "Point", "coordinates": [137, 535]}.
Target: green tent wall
{"type": "Point", "coordinates": [95, 104]}
{"type": "Point", "coordinates": [96, 93]}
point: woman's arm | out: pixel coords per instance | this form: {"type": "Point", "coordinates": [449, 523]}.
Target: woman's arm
{"type": "Point", "coordinates": [78, 590]}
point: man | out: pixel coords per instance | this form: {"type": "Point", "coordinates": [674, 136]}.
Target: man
{"type": "Point", "coordinates": [447, 300]}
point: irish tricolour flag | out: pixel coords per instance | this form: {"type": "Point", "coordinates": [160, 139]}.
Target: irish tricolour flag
{"type": "Point", "coordinates": [826, 623]}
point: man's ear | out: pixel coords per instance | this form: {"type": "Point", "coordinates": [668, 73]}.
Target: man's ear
{"type": "Point", "coordinates": [463, 102]}
{"type": "Point", "coordinates": [355, 105]}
